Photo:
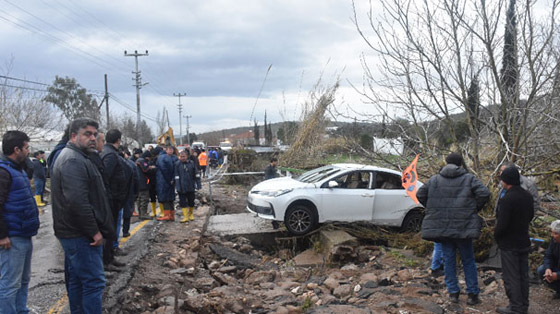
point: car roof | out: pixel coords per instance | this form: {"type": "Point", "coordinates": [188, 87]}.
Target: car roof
{"type": "Point", "coordinates": [350, 166]}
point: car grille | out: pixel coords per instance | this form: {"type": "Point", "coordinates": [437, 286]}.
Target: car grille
{"type": "Point", "coordinates": [261, 209]}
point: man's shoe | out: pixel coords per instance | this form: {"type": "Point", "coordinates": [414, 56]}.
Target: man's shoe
{"type": "Point", "coordinates": [120, 252]}
{"type": "Point", "coordinates": [435, 273]}
{"type": "Point", "coordinates": [454, 297]}
{"type": "Point", "coordinates": [473, 299]}
{"type": "Point", "coordinates": [112, 268]}
{"type": "Point", "coordinates": [504, 310]}
{"type": "Point", "coordinates": [126, 235]}
{"type": "Point", "coordinates": [117, 263]}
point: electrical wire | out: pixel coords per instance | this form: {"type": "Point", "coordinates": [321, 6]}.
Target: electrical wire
{"type": "Point", "coordinates": [22, 80]}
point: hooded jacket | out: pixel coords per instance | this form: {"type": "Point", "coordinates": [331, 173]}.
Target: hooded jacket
{"type": "Point", "coordinates": [165, 176]}
{"type": "Point", "coordinates": [452, 200]}
{"type": "Point", "coordinates": [79, 199]}
{"type": "Point", "coordinates": [185, 176]}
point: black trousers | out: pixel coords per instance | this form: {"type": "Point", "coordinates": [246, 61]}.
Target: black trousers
{"type": "Point", "coordinates": [153, 192]}
{"type": "Point", "coordinates": [186, 199]}
{"type": "Point", "coordinates": [108, 249]}
{"type": "Point", "coordinates": [515, 273]}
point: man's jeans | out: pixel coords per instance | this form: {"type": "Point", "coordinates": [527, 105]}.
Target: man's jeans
{"type": "Point", "coordinates": [15, 272]}
{"type": "Point", "coordinates": [465, 248]}
{"type": "Point", "coordinates": [84, 275]}
{"type": "Point", "coordinates": [39, 186]}
{"type": "Point", "coordinates": [437, 257]}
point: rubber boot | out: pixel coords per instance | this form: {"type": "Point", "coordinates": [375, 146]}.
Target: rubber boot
{"type": "Point", "coordinates": [161, 211]}
{"type": "Point", "coordinates": [172, 215]}
{"type": "Point", "coordinates": [38, 201]}
{"type": "Point", "coordinates": [153, 214]}
{"type": "Point", "coordinates": [165, 216]}
{"type": "Point", "coordinates": [185, 215]}
{"type": "Point", "coordinates": [191, 213]}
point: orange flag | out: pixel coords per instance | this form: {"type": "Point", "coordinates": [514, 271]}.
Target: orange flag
{"type": "Point", "coordinates": [410, 179]}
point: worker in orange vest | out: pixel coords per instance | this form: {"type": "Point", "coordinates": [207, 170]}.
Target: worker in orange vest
{"type": "Point", "coordinates": [203, 161]}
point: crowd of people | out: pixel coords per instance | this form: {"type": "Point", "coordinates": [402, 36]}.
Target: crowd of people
{"type": "Point", "coordinates": [452, 199]}
{"type": "Point", "coordinates": [97, 186]}
{"type": "Point", "coordinates": [95, 183]}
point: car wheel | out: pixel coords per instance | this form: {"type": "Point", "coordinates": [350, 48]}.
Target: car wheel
{"type": "Point", "coordinates": [413, 221]}
{"type": "Point", "coordinates": [300, 220]}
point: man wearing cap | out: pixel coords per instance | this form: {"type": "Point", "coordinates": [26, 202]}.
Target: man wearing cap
{"type": "Point", "coordinates": [452, 200]}
{"type": "Point", "coordinates": [514, 213]}
{"type": "Point", "coordinates": [526, 183]}
{"type": "Point", "coordinates": [550, 269]}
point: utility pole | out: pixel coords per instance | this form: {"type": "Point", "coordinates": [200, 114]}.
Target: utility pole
{"type": "Point", "coordinates": [138, 86]}
{"type": "Point", "coordinates": [180, 115]}
{"type": "Point", "coordinates": [188, 134]}
{"type": "Point", "coordinates": [107, 103]}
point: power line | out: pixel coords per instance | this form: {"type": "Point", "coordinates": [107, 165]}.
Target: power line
{"type": "Point", "coordinates": [130, 107]}
{"type": "Point", "coordinates": [22, 80]}
{"type": "Point", "coordinates": [23, 87]}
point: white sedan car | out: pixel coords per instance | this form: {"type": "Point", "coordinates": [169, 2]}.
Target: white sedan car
{"type": "Point", "coordinates": [338, 192]}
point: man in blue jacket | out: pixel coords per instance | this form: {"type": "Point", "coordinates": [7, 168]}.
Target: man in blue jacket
{"type": "Point", "coordinates": [549, 271]}
{"type": "Point", "coordinates": [452, 200]}
{"type": "Point", "coordinates": [19, 222]}
{"type": "Point", "coordinates": [165, 183]}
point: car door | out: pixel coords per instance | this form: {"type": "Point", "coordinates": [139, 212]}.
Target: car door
{"type": "Point", "coordinates": [391, 202]}
{"type": "Point", "coordinates": [351, 200]}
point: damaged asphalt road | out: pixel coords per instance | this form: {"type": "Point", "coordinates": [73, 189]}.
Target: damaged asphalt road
{"type": "Point", "coordinates": [47, 291]}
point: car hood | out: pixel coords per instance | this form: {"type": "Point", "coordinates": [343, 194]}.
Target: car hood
{"type": "Point", "coordinates": [280, 184]}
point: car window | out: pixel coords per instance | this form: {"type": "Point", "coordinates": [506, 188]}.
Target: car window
{"type": "Point", "coordinates": [388, 181]}
{"type": "Point", "coordinates": [354, 180]}
{"type": "Point", "coordinates": [318, 174]}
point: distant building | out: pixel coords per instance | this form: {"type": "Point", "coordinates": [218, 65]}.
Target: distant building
{"type": "Point", "coordinates": [391, 146]}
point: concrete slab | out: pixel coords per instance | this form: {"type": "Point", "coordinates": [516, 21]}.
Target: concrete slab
{"type": "Point", "coordinates": [239, 224]}
{"type": "Point", "coordinates": [332, 238]}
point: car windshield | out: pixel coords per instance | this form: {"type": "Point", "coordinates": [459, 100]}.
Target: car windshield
{"type": "Point", "coordinates": [318, 174]}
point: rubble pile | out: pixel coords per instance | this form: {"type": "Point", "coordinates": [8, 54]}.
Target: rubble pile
{"type": "Point", "coordinates": [189, 271]}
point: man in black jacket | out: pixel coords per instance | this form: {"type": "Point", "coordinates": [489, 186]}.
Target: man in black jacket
{"type": "Point", "coordinates": [452, 200]}
{"type": "Point", "coordinates": [39, 176]}
{"type": "Point", "coordinates": [514, 213]}
{"type": "Point", "coordinates": [81, 217]}
{"type": "Point", "coordinates": [117, 187]}
{"type": "Point", "coordinates": [550, 269]}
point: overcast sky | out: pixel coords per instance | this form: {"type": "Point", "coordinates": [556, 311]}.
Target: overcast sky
{"type": "Point", "coordinates": [217, 52]}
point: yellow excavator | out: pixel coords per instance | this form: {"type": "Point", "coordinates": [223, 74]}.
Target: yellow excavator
{"type": "Point", "coordinates": [167, 138]}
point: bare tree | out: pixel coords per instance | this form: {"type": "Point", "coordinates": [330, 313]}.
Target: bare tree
{"type": "Point", "coordinates": [446, 67]}
{"type": "Point", "coordinates": [22, 108]}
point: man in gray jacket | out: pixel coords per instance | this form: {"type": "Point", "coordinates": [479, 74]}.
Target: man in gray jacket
{"type": "Point", "coordinates": [81, 217]}
{"type": "Point", "coordinates": [452, 200]}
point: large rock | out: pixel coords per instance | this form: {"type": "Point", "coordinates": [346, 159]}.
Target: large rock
{"type": "Point", "coordinates": [309, 258]}
{"type": "Point", "coordinates": [331, 283]}
{"type": "Point", "coordinates": [339, 308]}
{"type": "Point", "coordinates": [261, 276]}
{"type": "Point", "coordinates": [343, 291]}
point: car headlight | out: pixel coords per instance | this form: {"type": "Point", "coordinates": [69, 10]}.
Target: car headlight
{"type": "Point", "coordinates": [275, 193]}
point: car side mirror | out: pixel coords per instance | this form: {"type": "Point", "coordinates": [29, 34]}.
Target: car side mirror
{"type": "Point", "coordinates": [332, 184]}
